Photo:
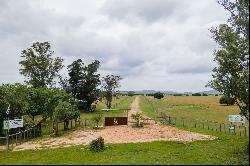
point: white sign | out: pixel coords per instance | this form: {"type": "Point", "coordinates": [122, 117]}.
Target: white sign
{"type": "Point", "coordinates": [236, 118]}
{"type": "Point", "coordinates": [18, 122]}
{"type": "Point", "coordinates": [12, 124]}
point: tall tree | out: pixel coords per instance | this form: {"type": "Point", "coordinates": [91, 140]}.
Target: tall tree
{"type": "Point", "coordinates": [109, 84]}
{"type": "Point", "coordinates": [231, 77]}
{"type": "Point", "coordinates": [38, 65]}
{"type": "Point", "coordinates": [75, 77]}
{"type": "Point", "coordinates": [91, 80]}
{"type": "Point", "coordinates": [84, 82]}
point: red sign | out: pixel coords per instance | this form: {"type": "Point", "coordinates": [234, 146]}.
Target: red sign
{"type": "Point", "coordinates": [112, 121]}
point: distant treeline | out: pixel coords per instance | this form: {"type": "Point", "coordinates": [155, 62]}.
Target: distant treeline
{"type": "Point", "coordinates": [131, 93]}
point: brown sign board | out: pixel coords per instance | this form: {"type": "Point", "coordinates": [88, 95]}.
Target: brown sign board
{"type": "Point", "coordinates": [112, 121]}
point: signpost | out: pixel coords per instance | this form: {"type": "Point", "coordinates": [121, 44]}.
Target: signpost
{"type": "Point", "coordinates": [12, 124]}
{"type": "Point", "coordinates": [236, 118]}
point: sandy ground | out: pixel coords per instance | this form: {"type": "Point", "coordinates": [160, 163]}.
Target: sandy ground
{"type": "Point", "coordinates": [118, 134]}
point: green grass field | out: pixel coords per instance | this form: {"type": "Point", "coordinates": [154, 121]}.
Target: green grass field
{"type": "Point", "coordinates": [195, 107]}
{"type": "Point", "coordinates": [227, 150]}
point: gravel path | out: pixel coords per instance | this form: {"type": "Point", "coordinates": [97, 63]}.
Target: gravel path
{"type": "Point", "coordinates": [119, 134]}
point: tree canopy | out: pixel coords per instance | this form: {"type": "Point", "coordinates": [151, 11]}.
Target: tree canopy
{"type": "Point", "coordinates": [38, 66]}
{"type": "Point", "coordinates": [109, 84]}
{"type": "Point", "coordinates": [231, 77]}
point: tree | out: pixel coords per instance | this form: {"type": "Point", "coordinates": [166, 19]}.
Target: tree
{"type": "Point", "coordinates": [158, 95]}
{"type": "Point", "coordinates": [227, 100]}
{"type": "Point", "coordinates": [131, 93]}
{"type": "Point", "coordinates": [38, 65]}
{"type": "Point", "coordinates": [109, 84]}
{"type": "Point", "coordinates": [65, 111]}
{"type": "Point", "coordinates": [84, 82]}
{"type": "Point", "coordinates": [231, 77]}
{"type": "Point", "coordinates": [75, 77]}
{"type": "Point", "coordinates": [196, 94]}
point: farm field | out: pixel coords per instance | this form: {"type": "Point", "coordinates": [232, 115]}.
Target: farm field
{"type": "Point", "coordinates": [192, 107]}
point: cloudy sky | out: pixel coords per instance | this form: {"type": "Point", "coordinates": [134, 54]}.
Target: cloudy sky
{"type": "Point", "coordinates": [151, 44]}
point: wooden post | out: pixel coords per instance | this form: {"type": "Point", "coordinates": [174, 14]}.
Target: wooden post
{"type": "Point", "coordinates": [220, 127]}
{"type": "Point", "coordinates": [207, 125]}
{"type": "Point", "coordinates": [85, 123]}
{"type": "Point", "coordinates": [16, 139]}
{"type": "Point", "coordinates": [71, 124]}
{"type": "Point", "coordinates": [20, 138]}
{"type": "Point", "coordinates": [12, 142]}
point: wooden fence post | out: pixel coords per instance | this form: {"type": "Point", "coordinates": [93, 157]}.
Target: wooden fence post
{"type": "Point", "coordinates": [16, 139]}
{"type": "Point", "coordinates": [220, 127]}
{"type": "Point", "coordinates": [12, 142]}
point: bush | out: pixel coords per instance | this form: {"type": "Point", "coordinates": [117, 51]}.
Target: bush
{"type": "Point", "coordinates": [227, 100]}
{"type": "Point", "coordinates": [97, 145]}
{"type": "Point", "coordinates": [158, 95]}
{"type": "Point", "coordinates": [97, 118]}
{"type": "Point", "coordinates": [196, 94]}
{"type": "Point", "coordinates": [176, 94]}
{"type": "Point", "coordinates": [137, 117]}
{"type": "Point", "coordinates": [204, 94]}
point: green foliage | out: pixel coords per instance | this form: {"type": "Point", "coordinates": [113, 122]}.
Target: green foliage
{"type": "Point", "coordinates": [137, 117]}
{"type": "Point", "coordinates": [97, 145]}
{"type": "Point", "coordinates": [38, 66]}
{"type": "Point", "coordinates": [231, 77]}
{"type": "Point", "coordinates": [131, 93]}
{"type": "Point", "coordinates": [177, 94]}
{"type": "Point", "coordinates": [65, 111]}
{"type": "Point", "coordinates": [84, 82]}
{"type": "Point", "coordinates": [196, 94]}
{"type": "Point", "coordinates": [97, 118]}
{"type": "Point", "coordinates": [227, 100]}
{"type": "Point", "coordinates": [158, 95]}
{"type": "Point", "coordinates": [109, 84]}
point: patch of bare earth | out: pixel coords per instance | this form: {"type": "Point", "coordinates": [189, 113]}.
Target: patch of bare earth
{"type": "Point", "coordinates": [119, 134]}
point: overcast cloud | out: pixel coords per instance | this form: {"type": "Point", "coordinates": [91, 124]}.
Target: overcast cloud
{"type": "Point", "coordinates": [151, 44]}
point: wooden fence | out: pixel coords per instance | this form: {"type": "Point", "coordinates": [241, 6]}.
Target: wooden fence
{"type": "Point", "coordinates": [229, 128]}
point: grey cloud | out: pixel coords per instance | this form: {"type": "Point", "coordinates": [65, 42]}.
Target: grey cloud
{"type": "Point", "coordinates": [171, 42]}
{"type": "Point", "coordinates": [147, 10]}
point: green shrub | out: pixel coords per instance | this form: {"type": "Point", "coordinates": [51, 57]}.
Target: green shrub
{"type": "Point", "coordinates": [196, 94]}
{"type": "Point", "coordinates": [176, 94]}
{"type": "Point", "coordinates": [227, 100]}
{"type": "Point", "coordinates": [97, 119]}
{"type": "Point", "coordinates": [158, 95]}
{"type": "Point", "coordinates": [137, 117]}
{"type": "Point", "coordinates": [97, 145]}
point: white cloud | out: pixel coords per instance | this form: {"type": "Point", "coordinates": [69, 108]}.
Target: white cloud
{"type": "Point", "coordinates": [152, 44]}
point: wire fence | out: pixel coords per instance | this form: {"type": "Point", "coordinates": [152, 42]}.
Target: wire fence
{"type": "Point", "coordinates": [228, 128]}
